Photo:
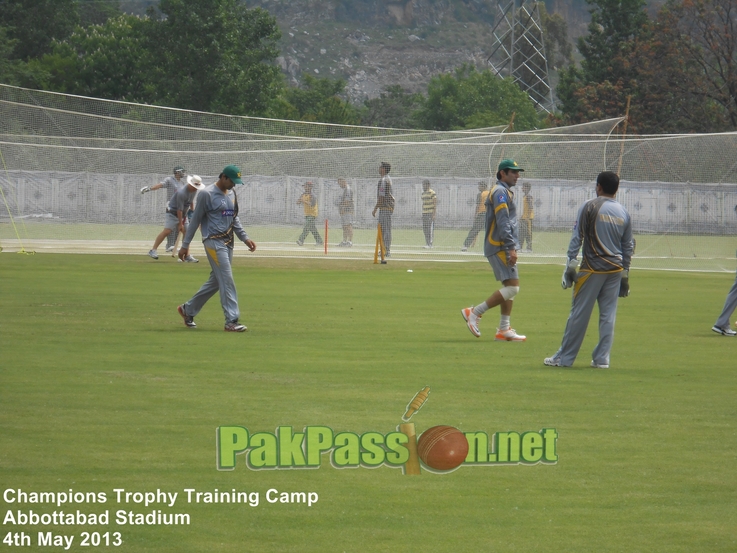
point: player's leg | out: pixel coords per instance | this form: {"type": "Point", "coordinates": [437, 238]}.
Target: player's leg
{"type": "Point", "coordinates": [209, 288]}
{"type": "Point", "coordinates": [224, 274]}
{"type": "Point", "coordinates": [585, 292]}
{"type": "Point", "coordinates": [160, 238]}
{"type": "Point", "coordinates": [730, 304]}
{"type": "Point", "coordinates": [305, 232]}
{"type": "Point", "coordinates": [478, 225]}
{"type": "Point", "coordinates": [509, 277]}
{"type": "Point", "coordinates": [315, 232]}
{"type": "Point", "coordinates": [607, 300]}
{"type": "Point", "coordinates": [426, 222]}
{"type": "Point", "coordinates": [385, 220]}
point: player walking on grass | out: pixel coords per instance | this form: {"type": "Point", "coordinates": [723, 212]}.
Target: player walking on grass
{"type": "Point", "coordinates": [217, 213]}
{"type": "Point", "coordinates": [176, 214]}
{"type": "Point", "coordinates": [604, 228]}
{"type": "Point", "coordinates": [171, 185]}
{"type": "Point", "coordinates": [500, 248]}
{"type": "Point", "coordinates": [730, 304]}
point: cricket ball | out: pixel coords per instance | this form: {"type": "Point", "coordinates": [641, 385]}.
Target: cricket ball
{"type": "Point", "coordinates": [442, 447]}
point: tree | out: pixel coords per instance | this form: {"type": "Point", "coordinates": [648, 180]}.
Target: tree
{"type": "Point", "coordinates": [217, 55]}
{"type": "Point", "coordinates": [114, 61]}
{"type": "Point", "coordinates": [317, 99]}
{"type": "Point", "coordinates": [394, 107]}
{"type": "Point", "coordinates": [614, 26]}
{"type": "Point", "coordinates": [33, 25]}
{"type": "Point", "coordinates": [692, 53]}
{"type": "Point", "coordinates": [605, 79]}
{"type": "Point", "coordinates": [475, 99]}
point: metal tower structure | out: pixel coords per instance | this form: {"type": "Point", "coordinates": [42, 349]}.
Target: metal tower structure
{"type": "Point", "coordinates": [519, 51]}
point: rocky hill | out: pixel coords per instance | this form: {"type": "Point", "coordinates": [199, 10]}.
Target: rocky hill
{"type": "Point", "coordinates": [376, 43]}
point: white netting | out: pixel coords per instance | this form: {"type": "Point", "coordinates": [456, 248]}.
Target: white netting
{"type": "Point", "coordinates": [73, 167]}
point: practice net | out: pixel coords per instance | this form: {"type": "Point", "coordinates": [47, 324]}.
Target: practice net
{"type": "Point", "coordinates": [72, 168]}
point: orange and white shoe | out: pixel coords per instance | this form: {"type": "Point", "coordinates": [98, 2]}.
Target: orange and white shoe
{"type": "Point", "coordinates": [472, 321]}
{"type": "Point", "coordinates": [509, 335]}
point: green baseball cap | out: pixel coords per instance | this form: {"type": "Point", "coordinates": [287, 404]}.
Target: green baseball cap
{"type": "Point", "coordinates": [233, 173]}
{"type": "Point", "coordinates": [509, 164]}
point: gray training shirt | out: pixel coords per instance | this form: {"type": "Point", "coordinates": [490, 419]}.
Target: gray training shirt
{"type": "Point", "coordinates": [181, 200]}
{"type": "Point", "coordinates": [604, 228]}
{"type": "Point", "coordinates": [215, 212]}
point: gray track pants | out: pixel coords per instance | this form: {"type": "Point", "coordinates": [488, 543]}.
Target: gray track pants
{"type": "Point", "coordinates": [385, 220]}
{"type": "Point", "coordinates": [590, 289]}
{"type": "Point", "coordinates": [220, 257]}
{"type": "Point", "coordinates": [730, 304]}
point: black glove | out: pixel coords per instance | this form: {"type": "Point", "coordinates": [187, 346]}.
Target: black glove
{"type": "Point", "coordinates": [624, 285]}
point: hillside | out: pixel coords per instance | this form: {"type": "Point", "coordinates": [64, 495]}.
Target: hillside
{"type": "Point", "coordinates": [373, 44]}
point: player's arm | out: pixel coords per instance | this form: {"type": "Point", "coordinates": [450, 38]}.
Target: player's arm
{"type": "Point", "coordinates": [574, 246]}
{"type": "Point", "coordinates": [434, 206]}
{"type": "Point", "coordinates": [151, 188]}
{"type": "Point", "coordinates": [628, 248]}
{"type": "Point", "coordinates": [500, 203]}
{"type": "Point", "coordinates": [240, 232]}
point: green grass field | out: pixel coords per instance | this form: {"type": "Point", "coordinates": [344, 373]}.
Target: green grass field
{"type": "Point", "coordinates": [102, 387]}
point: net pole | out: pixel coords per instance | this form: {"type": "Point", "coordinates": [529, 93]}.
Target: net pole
{"type": "Point", "coordinates": [624, 134]}
{"type": "Point", "coordinates": [326, 237]}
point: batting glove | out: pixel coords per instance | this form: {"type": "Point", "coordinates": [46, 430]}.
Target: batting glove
{"type": "Point", "coordinates": [570, 275]}
{"type": "Point", "coordinates": [624, 285]}
{"type": "Point", "coordinates": [145, 189]}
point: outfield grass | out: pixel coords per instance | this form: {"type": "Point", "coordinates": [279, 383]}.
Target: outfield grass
{"type": "Point", "coordinates": [102, 387]}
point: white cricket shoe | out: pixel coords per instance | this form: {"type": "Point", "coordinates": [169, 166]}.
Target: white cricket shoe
{"type": "Point", "coordinates": [509, 335]}
{"type": "Point", "coordinates": [153, 254]}
{"type": "Point", "coordinates": [551, 362]}
{"type": "Point", "coordinates": [724, 331]}
{"type": "Point", "coordinates": [235, 327]}
{"type": "Point", "coordinates": [472, 321]}
{"type": "Point", "coordinates": [190, 259]}
{"type": "Point", "coordinates": [169, 249]}
{"type": "Point", "coordinates": [599, 366]}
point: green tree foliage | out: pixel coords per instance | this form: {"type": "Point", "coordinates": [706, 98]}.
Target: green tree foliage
{"type": "Point", "coordinates": [474, 99]}
{"type": "Point", "coordinates": [217, 55]}
{"type": "Point", "coordinates": [33, 25]}
{"type": "Point", "coordinates": [614, 26]}
{"type": "Point", "coordinates": [114, 61]}
{"type": "Point", "coordinates": [316, 99]}
{"type": "Point", "coordinates": [212, 55]}
{"type": "Point", "coordinates": [395, 107]}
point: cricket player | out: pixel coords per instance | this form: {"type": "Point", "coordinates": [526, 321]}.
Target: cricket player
{"type": "Point", "coordinates": [346, 210]}
{"type": "Point", "coordinates": [730, 304]}
{"type": "Point", "coordinates": [429, 210]}
{"type": "Point", "coordinates": [501, 243]}
{"type": "Point", "coordinates": [604, 228]}
{"type": "Point", "coordinates": [171, 185]}
{"type": "Point", "coordinates": [528, 216]}
{"type": "Point", "coordinates": [308, 201]}
{"type": "Point", "coordinates": [217, 213]}
{"type": "Point", "coordinates": [385, 205]}
{"type": "Point", "coordinates": [176, 214]}
{"type": "Point", "coordinates": [479, 218]}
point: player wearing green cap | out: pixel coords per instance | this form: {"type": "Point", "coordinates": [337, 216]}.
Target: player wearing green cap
{"type": "Point", "coordinates": [501, 242]}
{"type": "Point", "coordinates": [217, 213]}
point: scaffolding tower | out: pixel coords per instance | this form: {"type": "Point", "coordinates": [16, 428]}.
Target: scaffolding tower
{"type": "Point", "coordinates": [519, 51]}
